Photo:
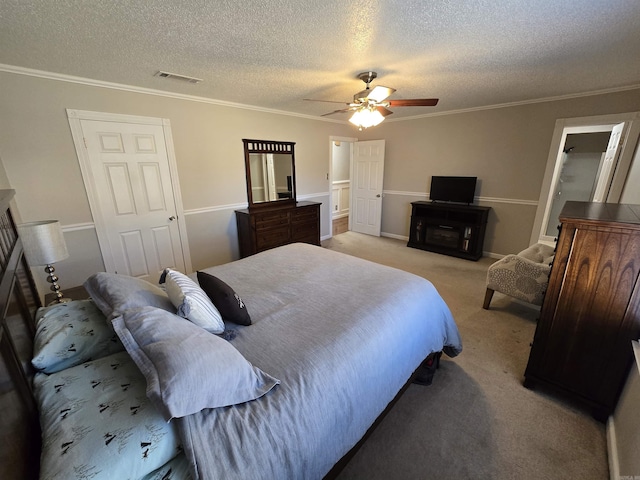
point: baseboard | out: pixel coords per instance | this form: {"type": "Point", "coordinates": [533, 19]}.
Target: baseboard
{"type": "Point", "coordinates": [612, 450]}
{"type": "Point", "coordinates": [393, 235]}
{"type": "Point", "coordinates": [406, 239]}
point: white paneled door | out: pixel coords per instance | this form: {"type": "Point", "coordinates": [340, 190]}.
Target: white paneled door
{"type": "Point", "coordinates": [607, 169]}
{"type": "Point", "coordinates": [131, 181]}
{"type": "Point", "coordinates": [366, 187]}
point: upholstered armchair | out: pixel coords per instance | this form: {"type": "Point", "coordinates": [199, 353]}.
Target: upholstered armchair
{"type": "Point", "coordinates": [524, 276]}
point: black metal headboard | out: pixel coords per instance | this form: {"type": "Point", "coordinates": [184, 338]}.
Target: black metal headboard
{"type": "Point", "coordinates": [19, 300]}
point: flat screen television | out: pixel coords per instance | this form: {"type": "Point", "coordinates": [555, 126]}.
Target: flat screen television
{"type": "Point", "coordinates": [453, 189]}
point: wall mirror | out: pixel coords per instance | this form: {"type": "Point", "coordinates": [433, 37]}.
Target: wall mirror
{"type": "Point", "coordinates": [271, 173]}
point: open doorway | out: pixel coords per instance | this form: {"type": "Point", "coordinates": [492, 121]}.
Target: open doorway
{"type": "Point", "coordinates": [340, 186]}
{"type": "Point", "coordinates": [581, 163]}
{"type": "Point", "coordinates": [589, 160]}
{"type": "Point", "coordinates": [356, 193]}
{"type": "Point", "coordinates": [340, 183]}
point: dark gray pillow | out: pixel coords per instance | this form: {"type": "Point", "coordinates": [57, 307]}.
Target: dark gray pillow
{"type": "Point", "coordinates": [226, 300]}
{"type": "Point", "coordinates": [187, 368]}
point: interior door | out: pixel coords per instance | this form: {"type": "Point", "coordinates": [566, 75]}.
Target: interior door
{"type": "Point", "coordinates": [366, 187]}
{"type": "Point", "coordinates": [271, 177]}
{"type": "Point", "coordinates": [132, 180]}
{"type": "Point", "coordinates": [605, 176]}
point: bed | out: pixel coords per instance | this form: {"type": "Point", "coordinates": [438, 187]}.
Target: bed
{"type": "Point", "coordinates": [306, 349]}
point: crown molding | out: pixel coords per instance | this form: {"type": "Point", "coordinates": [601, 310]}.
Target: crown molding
{"type": "Point", "coordinates": [150, 91]}
{"type": "Point", "coordinates": [194, 98]}
{"type": "Point", "coordinates": [519, 103]}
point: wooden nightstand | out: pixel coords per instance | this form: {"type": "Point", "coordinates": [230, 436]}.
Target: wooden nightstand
{"type": "Point", "coordinates": [75, 293]}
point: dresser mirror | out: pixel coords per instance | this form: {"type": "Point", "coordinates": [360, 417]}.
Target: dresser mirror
{"type": "Point", "coordinates": [271, 173]}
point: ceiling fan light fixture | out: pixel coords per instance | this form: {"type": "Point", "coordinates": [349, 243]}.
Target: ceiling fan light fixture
{"type": "Point", "coordinates": [370, 106]}
{"type": "Point", "coordinates": [365, 118]}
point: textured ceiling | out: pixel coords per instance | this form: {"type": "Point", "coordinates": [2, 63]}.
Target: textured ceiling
{"type": "Point", "coordinates": [273, 54]}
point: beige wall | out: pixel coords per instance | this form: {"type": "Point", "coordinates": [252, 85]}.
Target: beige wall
{"type": "Point", "coordinates": [4, 183]}
{"type": "Point", "coordinates": [623, 426]}
{"type": "Point", "coordinates": [40, 162]}
{"type": "Point", "coordinates": [4, 180]}
{"type": "Point", "coordinates": [631, 192]}
{"type": "Point", "coordinates": [506, 148]}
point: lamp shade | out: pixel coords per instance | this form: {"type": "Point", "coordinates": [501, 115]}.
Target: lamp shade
{"type": "Point", "coordinates": [43, 242]}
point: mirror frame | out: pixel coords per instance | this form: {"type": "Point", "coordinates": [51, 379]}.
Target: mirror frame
{"type": "Point", "coordinates": [269, 146]}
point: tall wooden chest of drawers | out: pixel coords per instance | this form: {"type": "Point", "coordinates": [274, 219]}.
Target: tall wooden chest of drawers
{"type": "Point", "coordinates": [265, 228]}
{"type": "Point", "coordinates": [591, 311]}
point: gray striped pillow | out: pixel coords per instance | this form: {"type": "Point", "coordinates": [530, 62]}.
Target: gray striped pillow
{"type": "Point", "coordinates": [191, 301]}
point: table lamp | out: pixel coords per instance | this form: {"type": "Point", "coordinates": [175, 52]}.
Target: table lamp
{"type": "Point", "coordinates": [43, 244]}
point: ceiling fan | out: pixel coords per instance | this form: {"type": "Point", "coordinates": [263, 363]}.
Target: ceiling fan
{"type": "Point", "coordinates": [369, 101]}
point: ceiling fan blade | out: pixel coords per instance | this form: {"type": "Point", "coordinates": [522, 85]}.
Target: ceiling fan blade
{"type": "Point", "coordinates": [379, 93]}
{"type": "Point", "coordinates": [414, 102]}
{"type": "Point", "coordinates": [328, 101]}
{"type": "Point", "coordinates": [384, 111]}
{"type": "Point", "coordinates": [336, 111]}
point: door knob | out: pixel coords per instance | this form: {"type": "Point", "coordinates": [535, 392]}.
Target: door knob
{"type": "Point", "coordinates": [172, 218]}
{"type": "Point", "coordinates": [378, 195]}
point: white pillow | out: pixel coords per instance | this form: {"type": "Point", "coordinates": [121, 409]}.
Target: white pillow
{"type": "Point", "coordinates": [191, 301]}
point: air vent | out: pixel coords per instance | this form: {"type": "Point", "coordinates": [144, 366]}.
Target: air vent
{"type": "Point", "coordinates": [176, 76]}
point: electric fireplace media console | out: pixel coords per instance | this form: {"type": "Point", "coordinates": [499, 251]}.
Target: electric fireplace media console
{"type": "Point", "coordinates": [451, 229]}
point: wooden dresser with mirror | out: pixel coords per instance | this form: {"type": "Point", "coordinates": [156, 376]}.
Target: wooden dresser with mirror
{"type": "Point", "coordinates": [274, 217]}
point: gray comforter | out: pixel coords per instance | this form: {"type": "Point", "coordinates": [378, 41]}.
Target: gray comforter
{"type": "Point", "coordinates": [342, 334]}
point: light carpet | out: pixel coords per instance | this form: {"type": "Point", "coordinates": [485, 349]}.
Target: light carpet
{"type": "Point", "coordinates": [476, 421]}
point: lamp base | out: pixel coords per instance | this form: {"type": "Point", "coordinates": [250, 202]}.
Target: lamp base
{"type": "Point", "coordinates": [55, 288]}
{"type": "Point", "coordinates": [58, 300]}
